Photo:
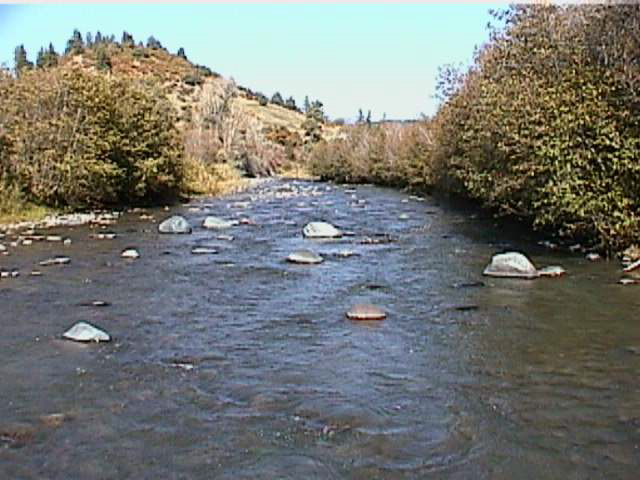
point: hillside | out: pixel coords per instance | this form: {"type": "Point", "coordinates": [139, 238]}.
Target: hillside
{"type": "Point", "coordinates": [186, 83]}
{"type": "Point", "coordinates": [119, 123]}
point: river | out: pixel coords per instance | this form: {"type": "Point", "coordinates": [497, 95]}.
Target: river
{"type": "Point", "coordinates": [240, 365]}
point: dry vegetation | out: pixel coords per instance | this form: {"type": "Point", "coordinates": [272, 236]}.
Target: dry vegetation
{"type": "Point", "coordinates": [115, 123]}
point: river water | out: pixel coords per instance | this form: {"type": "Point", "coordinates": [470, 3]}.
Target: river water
{"type": "Point", "coordinates": [242, 366]}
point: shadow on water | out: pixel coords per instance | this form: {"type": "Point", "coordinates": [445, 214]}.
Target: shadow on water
{"type": "Point", "coordinates": [241, 365]}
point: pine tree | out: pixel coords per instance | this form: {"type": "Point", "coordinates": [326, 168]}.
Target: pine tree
{"type": "Point", "coordinates": [153, 43]}
{"type": "Point", "coordinates": [98, 40]}
{"type": "Point", "coordinates": [368, 117]}
{"type": "Point", "coordinates": [127, 40]}
{"type": "Point", "coordinates": [291, 104]}
{"type": "Point", "coordinates": [307, 105]}
{"type": "Point", "coordinates": [20, 60]}
{"type": "Point", "coordinates": [181, 53]}
{"type": "Point", "coordinates": [276, 99]}
{"type": "Point", "coordinates": [41, 58]}
{"type": "Point", "coordinates": [75, 44]}
{"type": "Point", "coordinates": [89, 40]}
{"type": "Point", "coordinates": [360, 116]}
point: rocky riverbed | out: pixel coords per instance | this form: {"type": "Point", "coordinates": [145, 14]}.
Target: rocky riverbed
{"type": "Point", "coordinates": [227, 359]}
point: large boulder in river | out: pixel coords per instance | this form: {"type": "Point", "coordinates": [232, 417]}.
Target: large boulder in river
{"type": "Point", "coordinates": [85, 332]}
{"type": "Point", "coordinates": [320, 230]}
{"type": "Point", "coordinates": [218, 223]}
{"type": "Point", "coordinates": [175, 224]}
{"type": "Point", "coordinates": [511, 264]}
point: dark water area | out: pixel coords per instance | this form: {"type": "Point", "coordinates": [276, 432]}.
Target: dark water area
{"type": "Point", "coordinates": [240, 365]}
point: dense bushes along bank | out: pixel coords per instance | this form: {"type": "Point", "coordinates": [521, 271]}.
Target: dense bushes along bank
{"type": "Point", "coordinates": [70, 138]}
{"type": "Point", "coordinates": [545, 126]}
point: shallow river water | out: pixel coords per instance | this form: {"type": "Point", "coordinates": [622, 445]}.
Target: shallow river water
{"type": "Point", "coordinates": [240, 365]}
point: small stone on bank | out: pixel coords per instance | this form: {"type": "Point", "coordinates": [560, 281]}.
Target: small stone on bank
{"type": "Point", "coordinates": [366, 312]}
{"type": "Point", "coordinates": [593, 257]}
{"type": "Point", "coordinates": [304, 257]}
{"type": "Point", "coordinates": [85, 332]}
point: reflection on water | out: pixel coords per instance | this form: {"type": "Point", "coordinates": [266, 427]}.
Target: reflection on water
{"type": "Point", "coordinates": [241, 365]}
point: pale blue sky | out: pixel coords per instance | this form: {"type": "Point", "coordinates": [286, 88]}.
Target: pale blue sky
{"type": "Point", "coordinates": [382, 57]}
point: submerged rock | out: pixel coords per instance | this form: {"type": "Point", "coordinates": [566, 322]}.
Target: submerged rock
{"type": "Point", "coordinates": [218, 223]}
{"type": "Point", "coordinates": [305, 257]}
{"type": "Point", "coordinates": [321, 230]}
{"type": "Point", "coordinates": [55, 261]}
{"type": "Point", "coordinates": [204, 251]}
{"type": "Point", "coordinates": [512, 265]}
{"type": "Point", "coordinates": [175, 224]}
{"type": "Point", "coordinates": [85, 332]}
{"type": "Point", "coordinates": [366, 312]}
{"type": "Point", "coordinates": [552, 271]}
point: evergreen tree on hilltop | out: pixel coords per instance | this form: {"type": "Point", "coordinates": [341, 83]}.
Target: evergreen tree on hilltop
{"type": "Point", "coordinates": [154, 44]}
{"type": "Point", "coordinates": [181, 53]}
{"type": "Point", "coordinates": [127, 40]}
{"type": "Point", "coordinates": [316, 111]}
{"type": "Point", "coordinates": [98, 39]}
{"type": "Point", "coordinates": [47, 57]}
{"type": "Point", "coordinates": [276, 99]}
{"type": "Point", "coordinates": [89, 42]}
{"type": "Point", "coordinates": [291, 104]}
{"type": "Point", "coordinates": [75, 44]}
{"type": "Point", "coordinates": [307, 105]}
{"type": "Point", "coordinates": [21, 61]}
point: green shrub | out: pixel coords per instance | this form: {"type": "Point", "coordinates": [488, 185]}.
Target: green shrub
{"type": "Point", "coordinates": [545, 125]}
{"type": "Point", "coordinates": [80, 139]}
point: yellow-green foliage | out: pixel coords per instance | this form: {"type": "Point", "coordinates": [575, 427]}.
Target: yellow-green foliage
{"type": "Point", "coordinates": [80, 139]}
{"type": "Point", "coordinates": [391, 154]}
{"type": "Point", "coordinates": [545, 125]}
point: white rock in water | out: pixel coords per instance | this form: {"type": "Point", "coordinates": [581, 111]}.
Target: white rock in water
{"type": "Point", "coordinates": [175, 224]}
{"type": "Point", "coordinates": [366, 312]}
{"type": "Point", "coordinates": [304, 256]}
{"type": "Point", "coordinates": [130, 253]}
{"type": "Point", "coordinates": [552, 271]}
{"type": "Point", "coordinates": [511, 264]}
{"type": "Point", "coordinates": [54, 238]}
{"type": "Point", "coordinates": [321, 230]}
{"type": "Point", "coordinates": [67, 241]}
{"type": "Point", "coordinates": [55, 261]}
{"type": "Point", "coordinates": [204, 251]}
{"type": "Point", "coordinates": [3, 248]}
{"type": "Point", "coordinates": [631, 267]}
{"type": "Point", "coordinates": [216, 222]}
{"type": "Point", "coordinates": [85, 332]}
